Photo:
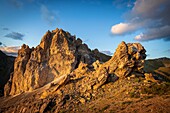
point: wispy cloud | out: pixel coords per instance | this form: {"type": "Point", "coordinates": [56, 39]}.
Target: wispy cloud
{"type": "Point", "coordinates": [92, 2]}
{"type": "Point", "coordinates": [123, 3]}
{"type": "Point", "coordinates": [48, 15]}
{"type": "Point", "coordinates": [149, 16]}
{"type": "Point", "coordinates": [16, 3]}
{"type": "Point", "coordinates": [11, 51]}
{"type": "Point", "coordinates": [167, 51]}
{"type": "Point", "coordinates": [15, 35]}
{"type": "Point", "coordinates": [5, 29]}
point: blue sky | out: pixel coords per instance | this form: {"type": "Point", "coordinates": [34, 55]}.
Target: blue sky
{"type": "Point", "coordinates": [102, 24]}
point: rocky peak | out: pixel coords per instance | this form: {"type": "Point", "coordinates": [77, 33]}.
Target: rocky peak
{"type": "Point", "coordinates": [46, 40]}
{"type": "Point", "coordinates": [57, 54]}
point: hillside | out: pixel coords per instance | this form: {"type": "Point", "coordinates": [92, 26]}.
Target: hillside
{"type": "Point", "coordinates": [160, 67]}
{"type": "Point", "coordinates": [6, 67]}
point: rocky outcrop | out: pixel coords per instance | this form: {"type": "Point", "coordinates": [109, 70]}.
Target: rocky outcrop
{"type": "Point", "coordinates": [58, 53]}
{"type": "Point", "coordinates": [6, 67]}
{"type": "Point", "coordinates": [127, 58]}
{"type": "Point", "coordinates": [150, 77]}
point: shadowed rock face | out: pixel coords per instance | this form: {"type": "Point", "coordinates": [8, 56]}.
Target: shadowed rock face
{"type": "Point", "coordinates": [6, 67]}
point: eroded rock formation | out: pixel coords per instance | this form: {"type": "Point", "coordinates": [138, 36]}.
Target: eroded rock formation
{"type": "Point", "coordinates": [127, 58]}
{"type": "Point", "coordinates": [59, 53]}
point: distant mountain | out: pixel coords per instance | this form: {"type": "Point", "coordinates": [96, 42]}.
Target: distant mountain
{"type": "Point", "coordinates": [6, 67]}
{"type": "Point", "coordinates": [160, 67]}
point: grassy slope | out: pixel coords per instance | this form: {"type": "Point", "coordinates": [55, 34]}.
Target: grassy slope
{"type": "Point", "coordinates": [160, 67]}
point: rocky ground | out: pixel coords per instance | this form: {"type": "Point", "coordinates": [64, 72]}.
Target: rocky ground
{"type": "Point", "coordinates": [124, 95]}
{"type": "Point", "coordinates": [63, 75]}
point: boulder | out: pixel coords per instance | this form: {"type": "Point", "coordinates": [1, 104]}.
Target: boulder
{"type": "Point", "coordinates": [150, 77]}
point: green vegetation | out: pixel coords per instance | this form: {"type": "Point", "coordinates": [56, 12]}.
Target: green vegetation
{"type": "Point", "coordinates": [137, 80]}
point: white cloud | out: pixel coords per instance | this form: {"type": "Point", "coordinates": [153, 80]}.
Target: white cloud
{"type": "Point", "coordinates": [123, 28]}
{"type": "Point", "coordinates": [11, 51]}
{"type": "Point", "coordinates": [154, 33]}
{"type": "Point", "coordinates": [48, 15]}
{"type": "Point", "coordinates": [152, 16]}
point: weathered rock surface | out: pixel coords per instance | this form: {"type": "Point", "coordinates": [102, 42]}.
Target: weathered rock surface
{"type": "Point", "coordinates": [150, 77]}
{"type": "Point", "coordinates": [57, 54]}
{"type": "Point", "coordinates": [127, 58]}
{"type": "Point", "coordinates": [6, 67]}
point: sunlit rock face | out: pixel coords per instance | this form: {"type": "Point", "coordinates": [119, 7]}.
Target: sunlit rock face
{"type": "Point", "coordinates": [127, 58]}
{"type": "Point", "coordinates": [57, 54]}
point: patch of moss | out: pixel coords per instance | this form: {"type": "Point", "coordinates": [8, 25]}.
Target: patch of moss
{"type": "Point", "coordinates": [137, 80]}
